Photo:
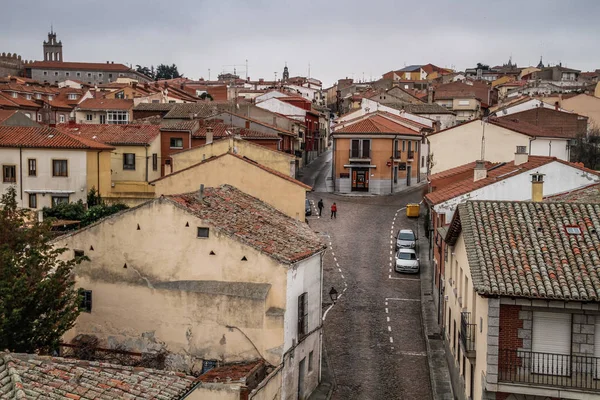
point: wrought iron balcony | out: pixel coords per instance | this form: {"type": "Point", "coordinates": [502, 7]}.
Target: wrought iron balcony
{"type": "Point", "coordinates": [361, 154]}
{"type": "Point", "coordinates": [548, 369]}
{"type": "Point", "coordinates": [467, 334]}
{"type": "Point", "coordinates": [411, 155]}
{"type": "Point", "coordinates": [397, 154]}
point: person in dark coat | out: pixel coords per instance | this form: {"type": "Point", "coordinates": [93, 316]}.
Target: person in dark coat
{"type": "Point", "coordinates": [320, 205]}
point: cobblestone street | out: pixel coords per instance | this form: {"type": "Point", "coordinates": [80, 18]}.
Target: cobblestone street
{"type": "Point", "coordinates": [373, 335]}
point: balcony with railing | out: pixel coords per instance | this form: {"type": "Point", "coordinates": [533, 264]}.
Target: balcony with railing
{"type": "Point", "coordinates": [360, 154]}
{"type": "Point", "coordinates": [397, 155]}
{"type": "Point", "coordinates": [410, 155]}
{"type": "Point", "coordinates": [549, 370]}
{"type": "Point", "coordinates": [467, 334]}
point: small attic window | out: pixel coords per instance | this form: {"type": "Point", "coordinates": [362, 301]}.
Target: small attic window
{"type": "Point", "coordinates": [573, 230]}
{"type": "Point", "coordinates": [202, 232]}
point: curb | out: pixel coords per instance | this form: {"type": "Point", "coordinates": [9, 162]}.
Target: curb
{"type": "Point", "coordinates": [439, 374]}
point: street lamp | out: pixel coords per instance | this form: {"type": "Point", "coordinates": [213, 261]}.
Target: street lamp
{"type": "Point", "coordinates": [333, 294]}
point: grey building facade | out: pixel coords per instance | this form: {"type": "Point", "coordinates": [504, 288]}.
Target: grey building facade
{"type": "Point", "coordinates": [54, 70]}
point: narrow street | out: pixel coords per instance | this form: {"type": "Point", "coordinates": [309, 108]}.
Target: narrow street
{"type": "Point", "coordinates": [373, 335]}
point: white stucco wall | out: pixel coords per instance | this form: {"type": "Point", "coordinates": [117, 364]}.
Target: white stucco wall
{"type": "Point", "coordinates": [462, 144]}
{"type": "Point", "coordinates": [282, 107]}
{"type": "Point", "coordinates": [305, 276]}
{"type": "Point", "coordinates": [558, 178]}
{"type": "Point", "coordinates": [76, 181]}
{"type": "Point", "coordinates": [269, 95]}
{"type": "Point", "coordinates": [446, 120]}
{"type": "Point", "coordinates": [551, 147]}
{"type": "Point", "coordinates": [528, 105]}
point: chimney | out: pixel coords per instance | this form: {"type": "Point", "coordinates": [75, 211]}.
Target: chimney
{"type": "Point", "coordinates": [247, 124]}
{"type": "Point", "coordinates": [521, 156]}
{"type": "Point", "coordinates": [429, 95]}
{"type": "Point", "coordinates": [537, 187]}
{"type": "Point", "coordinates": [480, 172]}
{"type": "Point", "coordinates": [556, 106]}
{"type": "Point", "coordinates": [201, 192]}
{"type": "Point", "coordinates": [209, 134]}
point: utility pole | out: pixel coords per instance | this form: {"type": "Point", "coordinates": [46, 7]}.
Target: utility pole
{"type": "Point", "coordinates": [246, 69]}
{"type": "Point", "coordinates": [209, 74]}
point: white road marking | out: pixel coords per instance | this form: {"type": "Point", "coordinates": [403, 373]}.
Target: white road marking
{"type": "Point", "coordinates": [404, 279]}
{"type": "Point", "coordinates": [387, 311]}
{"type": "Point", "coordinates": [339, 269]}
{"type": "Point", "coordinates": [343, 277]}
{"type": "Point", "coordinates": [334, 259]}
{"type": "Point", "coordinates": [389, 328]}
{"type": "Point", "coordinates": [390, 258]}
{"type": "Point", "coordinates": [345, 284]}
{"type": "Point", "coordinates": [390, 270]}
{"type": "Point", "coordinates": [388, 319]}
{"type": "Point", "coordinates": [391, 252]}
{"type": "Point", "coordinates": [397, 299]}
{"type": "Point", "coordinates": [337, 265]}
{"type": "Point", "coordinates": [414, 353]}
{"type": "Point", "coordinates": [391, 339]}
{"type": "Point", "coordinates": [332, 253]}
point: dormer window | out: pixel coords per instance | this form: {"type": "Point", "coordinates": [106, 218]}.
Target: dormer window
{"type": "Point", "coordinates": [50, 98]}
{"type": "Point", "coordinates": [573, 230]}
{"type": "Point", "coordinates": [72, 96]}
{"type": "Point", "coordinates": [28, 97]}
{"type": "Point", "coordinates": [14, 95]}
{"type": "Point", "coordinates": [38, 96]}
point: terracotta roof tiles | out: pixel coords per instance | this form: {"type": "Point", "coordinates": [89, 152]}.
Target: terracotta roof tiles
{"type": "Point", "coordinates": [106, 104]}
{"type": "Point", "coordinates": [253, 222]}
{"type": "Point", "coordinates": [523, 249]}
{"type": "Point", "coordinates": [45, 137]}
{"type": "Point", "coordinates": [128, 134]}
{"type": "Point", "coordinates": [376, 124]}
{"type": "Point", "coordinates": [26, 376]}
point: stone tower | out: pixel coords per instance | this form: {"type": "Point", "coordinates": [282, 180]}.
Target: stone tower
{"type": "Point", "coordinates": [52, 48]}
{"type": "Point", "coordinates": [286, 73]}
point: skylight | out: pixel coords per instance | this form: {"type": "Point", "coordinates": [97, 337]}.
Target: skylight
{"type": "Point", "coordinates": [573, 230]}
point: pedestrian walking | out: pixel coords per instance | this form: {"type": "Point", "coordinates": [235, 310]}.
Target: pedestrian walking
{"type": "Point", "coordinates": [320, 205]}
{"type": "Point", "coordinates": [333, 211]}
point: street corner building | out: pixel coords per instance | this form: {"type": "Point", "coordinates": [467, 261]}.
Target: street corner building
{"type": "Point", "coordinates": [378, 153]}
{"type": "Point", "coordinates": [521, 313]}
{"type": "Point", "coordinates": [214, 276]}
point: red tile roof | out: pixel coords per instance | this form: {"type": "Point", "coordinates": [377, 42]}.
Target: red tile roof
{"type": "Point", "coordinates": [28, 376]}
{"type": "Point", "coordinates": [253, 222]}
{"type": "Point", "coordinates": [281, 130]}
{"type": "Point", "coordinates": [587, 194]}
{"type": "Point", "coordinates": [113, 134]}
{"type": "Point", "coordinates": [78, 65]}
{"type": "Point", "coordinates": [5, 101]}
{"type": "Point", "coordinates": [106, 104]}
{"type": "Point", "coordinates": [6, 114]}
{"type": "Point", "coordinates": [377, 124]}
{"type": "Point", "coordinates": [495, 174]}
{"type": "Point", "coordinates": [231, 373]}
{"type": "Point", "coordinates": [45, 137]}
{"type": "Point", "coordinates": [457, 170]}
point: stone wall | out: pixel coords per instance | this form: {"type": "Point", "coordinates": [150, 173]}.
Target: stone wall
{"type": "Point", "coordinates": [11, 65]}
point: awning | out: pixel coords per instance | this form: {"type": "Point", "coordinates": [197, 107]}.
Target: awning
{"type": "Point", "coordinates": [359, 166]}
{"type": "Point", "coordinates": [49, 191]}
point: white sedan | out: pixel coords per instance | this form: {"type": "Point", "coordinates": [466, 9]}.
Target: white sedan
{"type": "Point", "coordinates": [407, 261]}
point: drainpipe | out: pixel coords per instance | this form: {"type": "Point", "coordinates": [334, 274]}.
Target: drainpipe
{"type": "Point", "coordinates": [146, 148]}
{"type": "Point", "coordinates": [21, 172]}
{"type": "Point", "coordinates": [531, 140]}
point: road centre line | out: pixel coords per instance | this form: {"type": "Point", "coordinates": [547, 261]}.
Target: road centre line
{"type": "Point", "coordinates": [398, 299]}
{"type": "Point", "coordinates": [402, 279]}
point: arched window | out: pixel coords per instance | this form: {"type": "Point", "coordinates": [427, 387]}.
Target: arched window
{"type": "Point", "coordinates": [57, 56]}
{"type": "Point", "coordinates": [47, 56]}
{"type": "Point", "coordinates": [51, 56]}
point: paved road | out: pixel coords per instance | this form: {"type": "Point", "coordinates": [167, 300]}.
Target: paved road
{"type": "Point", "coordinates": [373, 335]}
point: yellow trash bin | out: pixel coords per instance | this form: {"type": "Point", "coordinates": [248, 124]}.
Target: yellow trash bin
{"type": "Point", "coordinates": [412, 210]}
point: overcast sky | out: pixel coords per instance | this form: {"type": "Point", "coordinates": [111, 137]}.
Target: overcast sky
{"type": "Point", "coordinates": [337, 38]}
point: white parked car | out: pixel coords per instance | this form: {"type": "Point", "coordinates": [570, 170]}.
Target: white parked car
{"type": "Point", "coordinates": [407, 261]}
{"type": "Point", "coordinates": [406, 239]}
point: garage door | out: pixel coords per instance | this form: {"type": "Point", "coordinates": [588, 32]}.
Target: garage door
{"type": "Point", "coordinates": [551, 343]}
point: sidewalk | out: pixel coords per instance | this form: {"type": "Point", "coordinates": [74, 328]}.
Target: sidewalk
{"type": "Point", "coordinates": [441, 386]}
{"type": "Point", "coordinates": [327, 385]}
